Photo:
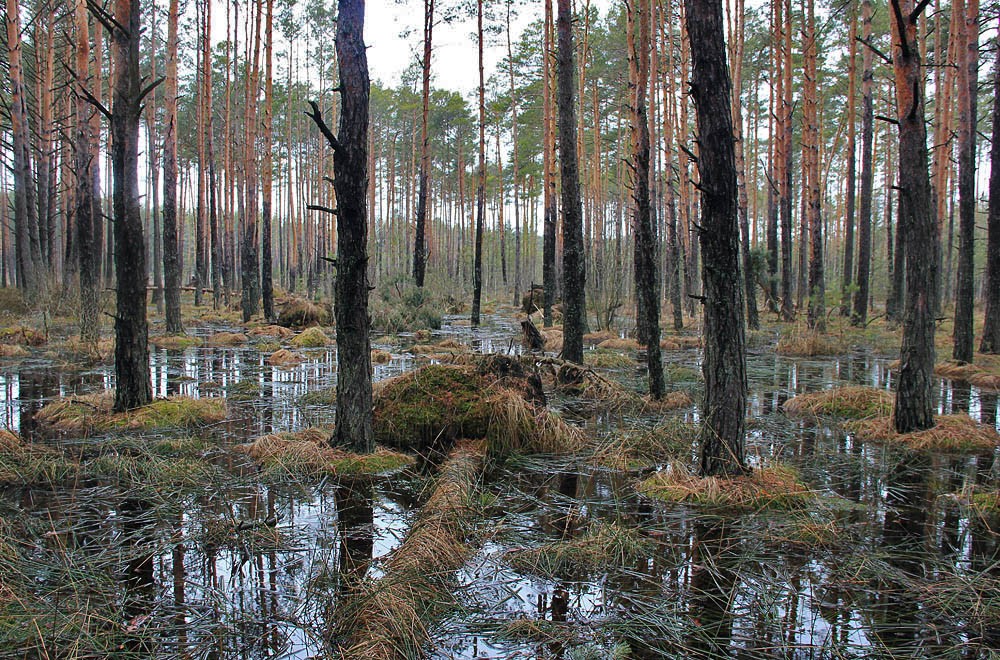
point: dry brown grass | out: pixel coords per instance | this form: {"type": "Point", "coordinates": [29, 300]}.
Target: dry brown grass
{"type": "Point", "coordinates": [9, 441]}
{"type": "Point", "coordinates": [387, 618]}
{"type": "Point", "coordinates": [381, 357]}
{"type": "Point", "coordinates": [952, 433]}
{"type": "Point", "coordinates": [441, 348]}
{"type": "Point", "coordinates": [277, 331]}
{"type": "Point", "coordinates": [595, 338]}
{"type": "Point", "coordinates": [23, 335]}
{"type": "Point", "coordinates": [677, 343]}
{"type": "Point", "coordinates": [619, 344]}
{"type": "Point", "coordinates": [302, 313]}
{"type": "Point", "coordinates": [553, 339]}
{"type": "Point", "coordinates": [776, 486]}
{"type": "Point", "coordinates": [853, 402]}
{"type": "Point", "coordinates": [223, 339]}
{"type": "Point", "coordinates": [92, 413]}
{"type": "Point", "coordinates": [601, 545]}
{"type": "Point", "coordinates": [174, 342]}
{"type": "Point", "coordinates": [284, 358]}
{"type": "Point", "coordinates": [981, 374]}
{"type": "Point", "coordinates": [13, 351]}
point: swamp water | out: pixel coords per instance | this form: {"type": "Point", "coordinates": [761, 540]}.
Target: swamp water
{"type": "Point", "coordinates": [569, 562]}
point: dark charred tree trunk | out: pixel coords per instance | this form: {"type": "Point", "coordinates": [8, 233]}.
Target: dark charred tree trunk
{"type": "Point", "coordinates": [850, 201]}
{"type": "Point", "coordinates": [477, 267]}
{"type": "Point", "coordinates": [647, 288]}
{"type": "Point", "coordinates": [861, 293]}
{"type": "Point", "coordinates": [350, 161]}
{"type": "Point", "coordinates": [914, 392]}
{"type": "Point", "coordinates": [87, 207]}
{"type": "Point", "coordinates": [773, 203]}
{"type": "Point", "coordinates": [816, 317]}
{"type": "Point", "coordinates": [419, 242]}
{"type": "Point", "coordinates": [724, 366]}
{"type": "Point", "coordinates": [991, 323]}
{"type": "Point", "coordinates": [171, 253]}
{"type": "Point", "coordinates": [133, 387]}
{"type": "Point", "coordinates": [968, 91]}
{"type": "Point", "coordinates": [574, 267]}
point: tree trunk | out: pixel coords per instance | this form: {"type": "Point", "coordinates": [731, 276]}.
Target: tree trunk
{"type": "Point", "coordinates": [848, 274]}
{"type": "Point", "coordinates": [968, 91]}
{"type": "Point", "coordinates": [860, 314]}
{"type": "Point", "coordinates": [171, 253]}
{"type": "Point", "coordinates": [266, 260]}
{"type": "Point", "coordinates": [477, 267]}
{"type": "Point", "coordinates": [419, 242]}
{"type": "Point", "coordinates": [249, 257]}
{"type": "Point", "coordinates": [811, 137]}
{"type": "Point", "coordinates": [350, 161]}
{"type": "Point", "coordinates": [647, 287]}
{"type": "Point", "coordinates": [574, 268]}
{"type": "Point", "coordinates": [549, 179]}
{"type": "Point", "coordinates": [87, 208]}
{"type": "Point", "coordinates": [724, 366]}
{"type": "Point", "coordinates": [991, 322]}
{"type": "Point", "coordinates": [785, 171]}
{"type": "Point", "coordinates": [133, 387]}
{"type": "Point", "coordinates": [914, 392]}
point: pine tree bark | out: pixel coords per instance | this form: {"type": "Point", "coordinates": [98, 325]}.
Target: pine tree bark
{"type": "Point", "coordinates": [419, 242]}
{"type": "Point", "coordinates": [133, 386]}
{"type": "Point", "coordinates": [724, 366]}
{"type": "Point", "coordinates": [968, 91]}
{"type": "Point", "coordinates": [87, 210]}
{"type": "Point", "coordinates": [549, 179]}
{"type": "Point", "coordinates": [914, 392]}
{"type": "Point", "coordinates": [477, 266]}
{"type": "Point", "coordinates": [859, 317]}
{"type": "Point", "coordinates": [350, 164]}
{"type": "Point", "coordinates": [249, 254]}
{"type": "Point", "coordinates": [785, 170]}
{"type": "Point", "coordinates": [991, 323]}
{"type": "Point", "coordinates": [816, 317]}
{"type": "Point", "coordinates": [574, 267]}
{"type": "Point", "coordinates": [171, 252]}
{"type": "Point", "coordinates": [267, 170]}
{"type": "Point", "coordinates": [646, 282]}
{"type": "Point", "coordinates": [851, 183]}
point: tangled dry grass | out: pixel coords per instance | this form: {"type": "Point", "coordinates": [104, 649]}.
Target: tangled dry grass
{"type": "Point", "coordinates": [951, 433]}
{"type": "Point", "coordinates": [854, 402]}
{"type": "Point", "coordinates": [773, 487]}
{"type": "Point", "coordinates": [93, 413]}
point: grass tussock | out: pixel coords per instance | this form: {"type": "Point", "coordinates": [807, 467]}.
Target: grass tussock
{"type": "Point", "coordinates": [92, 413]}
{"type": "Point", "coordinates": [600, 358]}
{"type": "Point", "coordinates": [670, 441]}
{"type": "Point", "coordinates": [302, 313]}
{"type": "Point", "coordinates": [606, 394]}
{"type": "Point", "coordinates": [853, 402]}
{"type": "Point", "coordinates": [27, 464]}
{"type": "Point", "coordinates": [388, 618]}
{"type": "Point", "coordinates": [310, 338]}
{"type": "Point", "coordinates": [284, 358]}
{"type": "Point", "coordinates": [225, 339]}
{"type": "Point", "coordinates": [22, 335]}
{"type": "Point", "coordinates": [975, 374]}
{"type": "Point", "coordinates": [308, 452]}
{"type": "Point", "coordinates": [951, 433]}
{"type": "Point", "coordinates": [805, 343]}
{"type": "Point", "coordinates": [595, 338]}
{"type": "Point", "coordinates": [381, 357]}
{"type": "Point", "coordinates": [985, 502]}
{"type": "Point", "coordinates": [13, 351]}
{"type": "Point", "coordinates": [773, 487]}
{"type": "Point", "coordinates": [619, 344]}
{"type": "Point", "coordinates": [679, 342]}
{"type": "Point", "coordinates": [600, 546]}
{"type": "Point", "coordinates": [276, 331]}
{"type": "Point", "coordinates": [175, 342]}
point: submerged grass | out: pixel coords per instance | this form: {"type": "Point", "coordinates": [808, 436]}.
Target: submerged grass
{"type": "Point", "coordinates": [93, 413]}
{"type": "Point", "coordinates": [669, 441]}
{"type": "Point", "coordinates": [951, 433]}
{"type": "Point", "coordinates": [600, 546]}
{"type": "Point", "coordinates": [773, 487]}
{"type": "Point", "coordinates": [853, 402]}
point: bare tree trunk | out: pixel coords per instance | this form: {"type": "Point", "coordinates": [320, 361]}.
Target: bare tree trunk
{"type": "Point", "coordinates": [87, 208]}
{"type": "Point", "coordinates": [133, 388]}
{"type": "Point", "coordinates": [574, 267]}
{"type": "Point", "coordinates": [515, 166]}
{"type": "Point", "coordinates": [968, 91]}
{"type": "Point", "coordinates": [549, 182]}
{"type": "Point", "coordinates": [860, 314]}
{"type": "Point", "coordinates": [249, 257]}
{"type": "Point", "coordinates": [991, 322]}
{"type": "Point", "coordinates": [914, 392]}
{"type": "Point", "coordinates": [848, 274]}
{"type": "Point", "coordinates": [810, 137]}
{"type": "Point", "coordinates": [477, 268]}
{"type": "Point", "coordinates": [266, 280]}
{"type": "Point", "coordinates": [785, 171]}
{"type": "Point", "coordinates": [354, 367]}
{"type": "Point", "coordinates": [724, 366]}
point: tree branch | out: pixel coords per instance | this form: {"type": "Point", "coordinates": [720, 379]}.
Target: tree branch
{"type": "Point", "coordinates": [317, 116]}
{"type": "Point", "coordinates": [324, 209]}
{"type": "Point", "coordinates": [885, 58]}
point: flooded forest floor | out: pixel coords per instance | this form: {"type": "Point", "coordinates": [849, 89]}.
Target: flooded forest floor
{"type": "Point", "coordinates": [505, 516]}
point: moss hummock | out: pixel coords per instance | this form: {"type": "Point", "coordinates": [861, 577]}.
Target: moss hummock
{"type": "Point", "coordinates": [92, 413]}
{"type": "Point", "coordinates": [309, 452]}
{"type": "Point", "coordinates": [223, 339]}
{"type": "Point", "coordinates": [174, 342]}
{"type": "Point", "coordinates": [284, 358]}
{"type": "Point", "coordinates": [310, 338]}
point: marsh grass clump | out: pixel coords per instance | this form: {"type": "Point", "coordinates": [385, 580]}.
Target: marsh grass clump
{"type": "Point", "coordinates": [93, 413]}
{"type": "Point", "coordinates": [680, 342]}
{"type": "Point", "coordinates": [600, 358]}
{"type": "Point", "coordinates": [28, 464]}
{"type": "Point", "coordinates": [301, 313]}
{"type": "Point", "coordinates": [600, 546]}
{"type": "Point", "coordinates": [175, 342]}
{"type": "Point", "coordinates": [981, 374]}
{"type": "Point", "coordinates": [951, 433]}
{"type": "Point", "coordinates": [399, 305]}
{"type": "Point", "coordinates": [244, 390]}
{"type": "Point", "coordinates": [22, 335]}
{"type": "Point", "coordinates": [852, 402]}
{"type": "Point", "coordinates": [312, 337]}
{"type": "Point", "coordinates": [387, 618]}
{"type": "Point", "coordinates": [308, 452]}
{"type": "Point", "coordinates": [13, 351]}
{"type": "Point", "coordinates": [324, 397]}
{"type": "Point", "coordinates": [806, 343]}
{"type": "Point", "coordinates": [986, 502]}
{"type": "Point", "coordinates": [606, 394]}
{"type": "Point", "coordinates": [284, 358]}
{"type": "Point", "coordinates": [619, 344]}
{"type": "Point", "coordinates": [669, 441]}
{"type": "Point", "coordinates": [227, 339]}
{"type": "Point", "coordinates": [773, 487]}
{"type": "Point", "coordinates": [274, 331]}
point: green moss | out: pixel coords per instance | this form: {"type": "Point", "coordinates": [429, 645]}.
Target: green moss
{"type": "Point", "coordinates": [23, 335]}
{"type": "Point", "coordinates": [604, 358]}
{"type": "Point", "coordinates": [324, 397]}
{"type": "Point", "coordinates": [244, 390]}
{"type": "Point", "coordinates": [175, 342]}
{"type": "Point", "coordinates": [267, 346]}
{"type": "Point", "coordinates": [310, 338]}
{"type": "Point", "coordinates": [986, 501]}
